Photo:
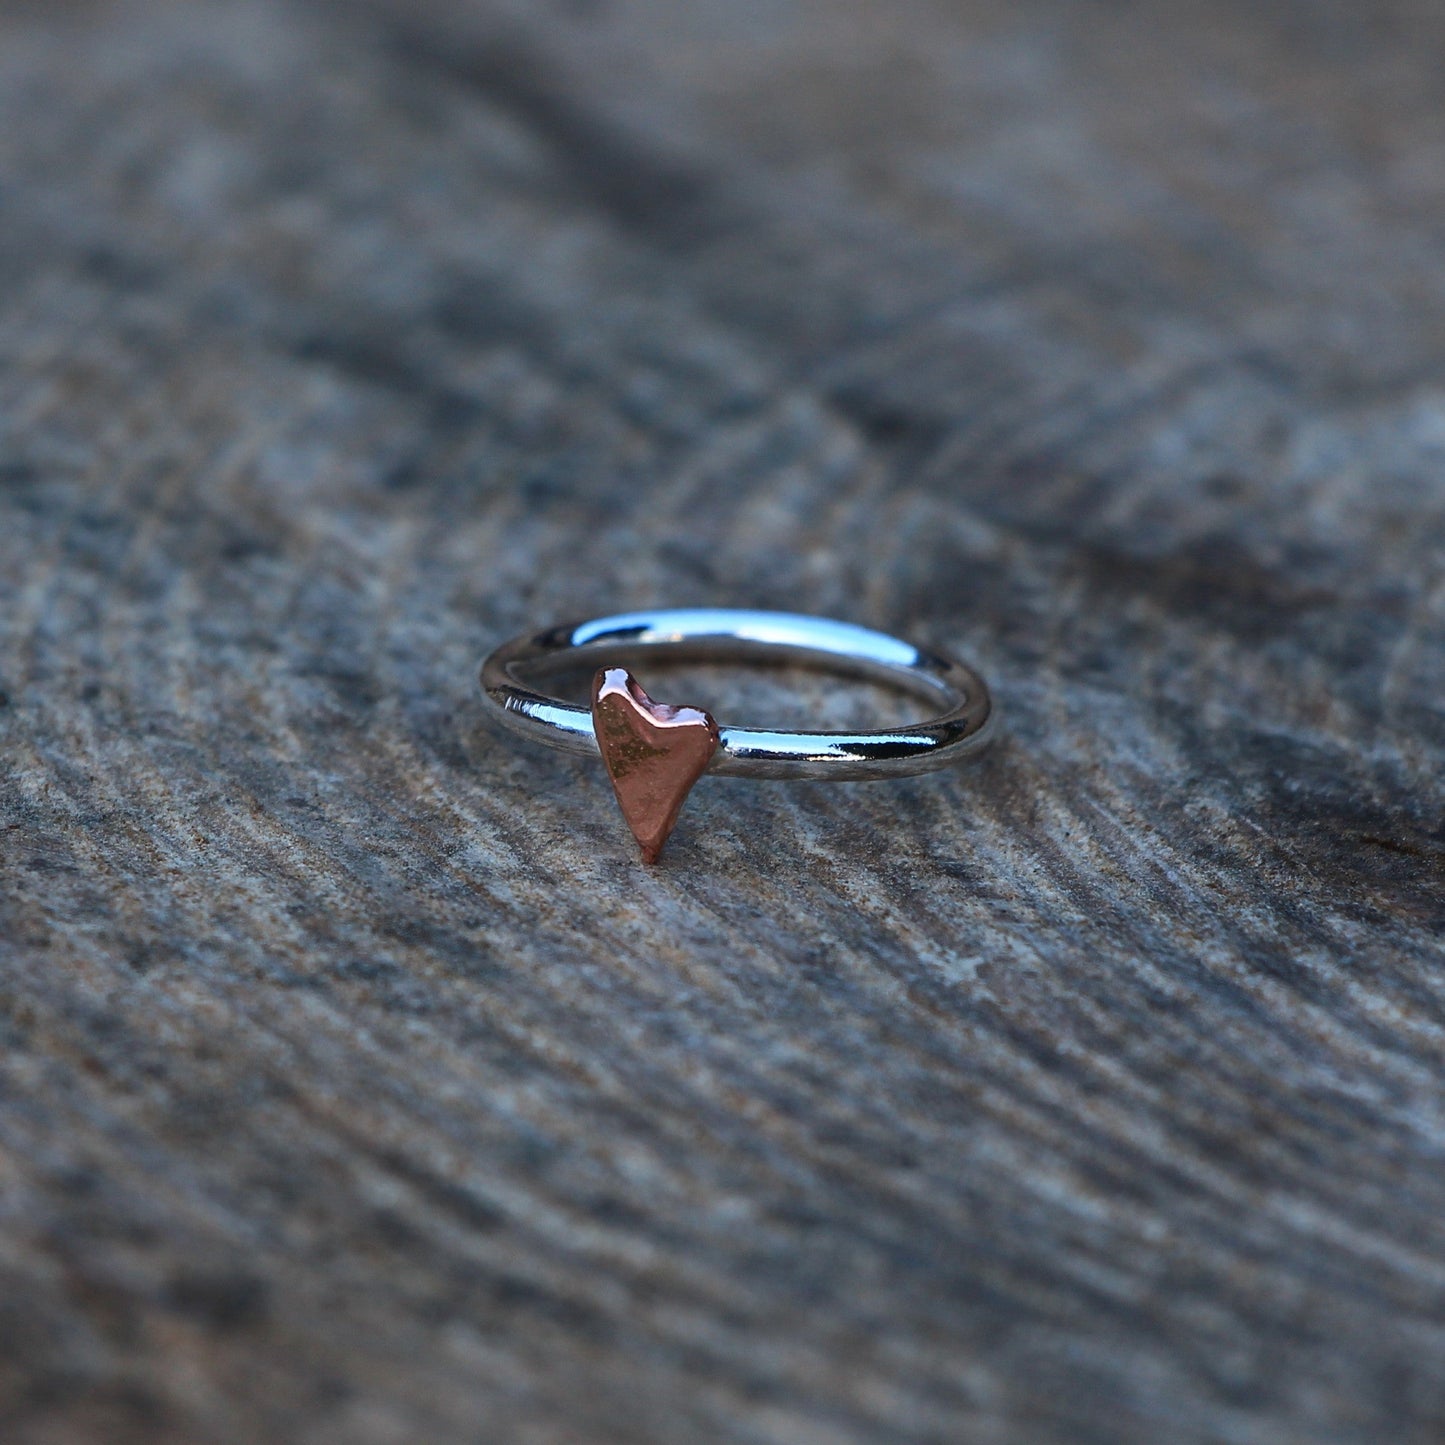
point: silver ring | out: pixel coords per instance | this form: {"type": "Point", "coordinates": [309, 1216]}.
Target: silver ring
{"type": "Point", "coordinates": [648, 741]}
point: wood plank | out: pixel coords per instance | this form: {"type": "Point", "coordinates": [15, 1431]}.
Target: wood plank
{"type": "Point", "coordinates": [357, 1085]}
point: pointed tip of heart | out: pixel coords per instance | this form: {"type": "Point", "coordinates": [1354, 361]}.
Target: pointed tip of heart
{"type": "Point", "coordinates": [654, 754]}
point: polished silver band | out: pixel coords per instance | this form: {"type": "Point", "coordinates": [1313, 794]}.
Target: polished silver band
{"type": "Point", "coordinates": [958, 732]}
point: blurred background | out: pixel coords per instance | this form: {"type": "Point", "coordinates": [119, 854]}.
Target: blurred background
{"type": "Point", "coordinates": [355, 1086]}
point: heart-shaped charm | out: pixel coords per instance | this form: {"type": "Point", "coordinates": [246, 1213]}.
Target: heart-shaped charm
{"type": "Point", "coordinates": [654, 754]}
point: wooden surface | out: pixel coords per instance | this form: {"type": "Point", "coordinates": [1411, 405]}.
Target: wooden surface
{"type": "Point", "coordinates": [357, 1087]}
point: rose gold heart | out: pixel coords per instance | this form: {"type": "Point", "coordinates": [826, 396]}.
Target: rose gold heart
{"type": "Point", "coordinates": [654, 754]}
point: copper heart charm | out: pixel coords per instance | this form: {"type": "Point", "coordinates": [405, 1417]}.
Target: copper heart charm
{"type": "Point", "coordinates": [654, 754]}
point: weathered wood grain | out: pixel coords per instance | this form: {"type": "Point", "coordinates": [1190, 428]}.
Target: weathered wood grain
{"type": "Point", "coordinates": [357, 1086]}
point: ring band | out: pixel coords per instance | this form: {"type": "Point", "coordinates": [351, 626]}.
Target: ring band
{"type": "Point", "coordinates": [648, 733]}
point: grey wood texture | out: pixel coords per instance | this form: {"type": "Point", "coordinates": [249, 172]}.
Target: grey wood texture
{"type": "Point", "coordinates": [357, 1086]}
